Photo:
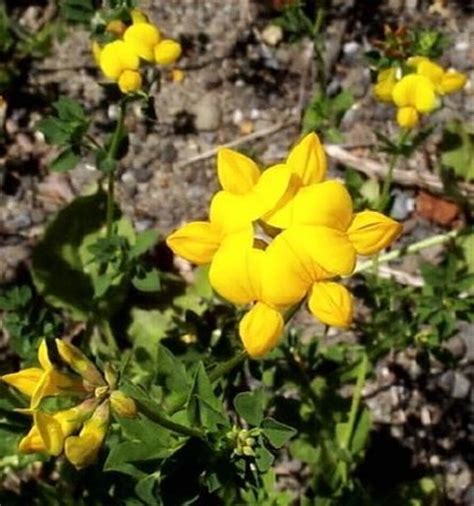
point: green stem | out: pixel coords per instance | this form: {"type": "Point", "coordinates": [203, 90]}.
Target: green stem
{"type": "Point", "coordinates": [112, 154]}
{"type": "Point", "coordinates": [165, 422]}
{"type": "Point", "coordinates": [318, 47]}
{"type": "Point", "coordinates": [385, 195]}
{"type": "Point", "coordinates": [356, 396]}
{"type": "Point", "coordinates": [108, 336]}
{"type": "Point", "coordinates": [412, 248]}
{"type": "Point", "coordinates": [227, 366]}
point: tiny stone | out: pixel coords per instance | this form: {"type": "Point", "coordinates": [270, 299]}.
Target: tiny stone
{"type": "Point", "coordinates": [143, 175]}
{"type": "Point", "coordinates": [208, 113]}
{"type": "Point", "coordinates": [425, 416]}
{"type": "Point", "coordinates": [461, 386]}
{"type": "Point", "coordinates": [169, 153]}
{"type": "Point", "coordinates": [456, 346]}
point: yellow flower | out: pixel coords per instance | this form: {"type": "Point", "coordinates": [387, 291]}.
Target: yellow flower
{"type": "Point", "coordinates": [246, 196]}
{"type": "Point", "coordinates": [40, 382]}
{"type": "Point", "coordinates": [415, 92]}
{"type": "Point", "coordinates": [167, 52]}
{"type": "Point", "coordinates": [129, 81]}
{"type": "Point", "coordinates": [324, 242]}
{"type": "Point", "coordinates": [55, 433]}
{"type": "Point", "coordinates": [307, 165]}
{"type": "Point", "coordinates": [236, 274]}
{"type": "Point", "coordinates": [386, 81]}
{"type": "Point", "coordinates": [142, 39]}
{"type": "Point", "coordinates": [82, 450]}
{"type": "Point", "coordinates": [116, 57]}
{"type": "Point", "coordinates": [138, 16]}
{"type": "Point", "coordinates": [445, 82]}
{"type": "Point", "coordinates": [331, 303]}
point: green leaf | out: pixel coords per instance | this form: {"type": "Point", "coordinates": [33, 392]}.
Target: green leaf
{"type": "Point", "coordinates": [277, 433]}
{"type": "Point", "coordinates": [146, 489]}
{"type": "Point", "coordinates": [69, 110]}
{"type": "Point", "coordinates": [66, 160]}
{"type": "Point", "coordinates": [54, 131]}
{"type": "Point", "coordinates": [144, 242]}
{"type": "Point", "coordinates": [103, 162]}
{"type": "Point", "coordinates": [148, 281]}
{"type": "Point", "coordinates": [77, 11]}
{"type": "Point", "coordinates": [361, 432]}
{"type": "Point", "coordinates": [203, 408]}
{"type": "Point", "coordinates": [249, 405]}
{"type": "Point", "coordinates": [61, 267]}
{"type": "Point", "coordinates": [457, 147]}
{"type": "Point", "coordinates": [263, 458]}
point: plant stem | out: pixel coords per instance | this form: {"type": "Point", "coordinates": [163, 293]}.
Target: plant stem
{"type": "Point", "coordinates": [112, 154]}
{"type": "Point", "coordinates": [385, 195]}
{"type": "Point", "coordinates": [108, 336]}
{"type": "Point", "coordinates": [165, 422]}
{"type": "Point", "coordinates": [227, 366]}
{"type": "Point", "coordinates": [356, 396]}
{"type": "Point", "coordinates": [408, 250]}
{"type": "Point", "coordinates": [318, 47]}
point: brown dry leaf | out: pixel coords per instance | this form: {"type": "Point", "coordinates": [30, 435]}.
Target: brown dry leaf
{"type": "Point", "coordinates": [436, 209]}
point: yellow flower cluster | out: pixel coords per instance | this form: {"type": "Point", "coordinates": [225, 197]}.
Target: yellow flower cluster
{"type": "Point", "coordinates": [120, 59]}
{"type": "Point", "coordinates": [306, 235]}
{"type": "Point", "coordinates": [418, 91]}
{"type": "Point", "coordinates": [78, 432]}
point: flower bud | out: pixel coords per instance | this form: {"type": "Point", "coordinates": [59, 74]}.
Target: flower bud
{"type": "Point", "coordinates": [123, 405]}
{"type": "Point", "coordinates": [331, 303]}
{"type": "Point", "coordinates": [167, 52]}
{"type": "Point", "coordinates": [129, 81]}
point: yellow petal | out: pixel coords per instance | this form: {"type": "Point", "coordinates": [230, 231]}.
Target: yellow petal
{"type": "Point", "coordinates": [79, 363]}
{"type": "Point", "coordinates": [370, 232]}
{"type": "Point", "coordinates": [123, 405]}
{"type": "Point", "coordinates": [452, 81]}
{"type": "Point", "coordinates": [197, 241]}
{"type": "Point", "coordinates": [32, 442]}
{"type": "Point", "coordinates": [430, 70]}
{"type": "Point", "coordinates": [129, 81]}
{"type": "Point", "coordinates": [328, 248]}
{"type": "Point", "coordinates": [43, 356]}
{"type": "Point", "coordinates": [26, 380]}
{"type": "Point", "coordinates": [308, 160]}
{"type": "Point", "coordinates": [50, 432]}
{"type": "Point", "coordinates": [260, 329]}
{"type": "Point", "coordinates": [142, 38]}
{"type": "Point", "coordinates": [331, 303]}
{"type": "Point", "coordinates": [301, 255]}
{"type": "Point", "coordinates": [82, 450]}
{"type": "Point", "coordinates": [54, 382]}
{"type": "Point", "coordinates": [271, 188]}
{"type": "Point", "coordinates": [234, 272]}
{"type": "Point", "coordinates": [237, 173]}
{"type": "Point", "coordinates": [138, 16]}
{"type": "Point", "coordinates": [414, 61]}
{"type": "Point", "coordinates": [282, 215]}
{"type": "Point", "coordinates": [230, 213]}
{"type": "Point", "coordinates": [167, 52]}
{"type": "Point", "coordinates": [71, 419]}
{"type": "Point", "coordinates": [96, 50]}
{"type": "Point", "coordinates": [415, 91]}
{"type": "Point", "coordinates": [385, 83]}
{"type": "Point", "coordinates": [328, 204]}
{"type": "Point", "coordinates": [407, 117]}
{"type": "Point", "coordinates": [116, 57]}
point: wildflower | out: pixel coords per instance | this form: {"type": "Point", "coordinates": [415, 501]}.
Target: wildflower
{"type": "Point", "coordinates": [246, 196]}
{"type": "Point", "coordinates": [386, 81]}
{"type": "Point", "coordinates": [79, 431]}
{"type": "Point", "coordinates": [307, 165]}
{"type": "Point", "coordinates": [142, 39]}
{"type": "Point", "coordinates": [44, 381]}
{"type": "Point", "coordinates": [167, 52]}
{"type": "Point", "coordinates": [320, 241]}
{"type": "Point", "coordinates": [120, 63]}
{"type": "Point", "coordinates": [414, 94]}
{"type": "Point", "coordinates": [445, 82]}
{"type": "Point", "coordinates": [235, 274]}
